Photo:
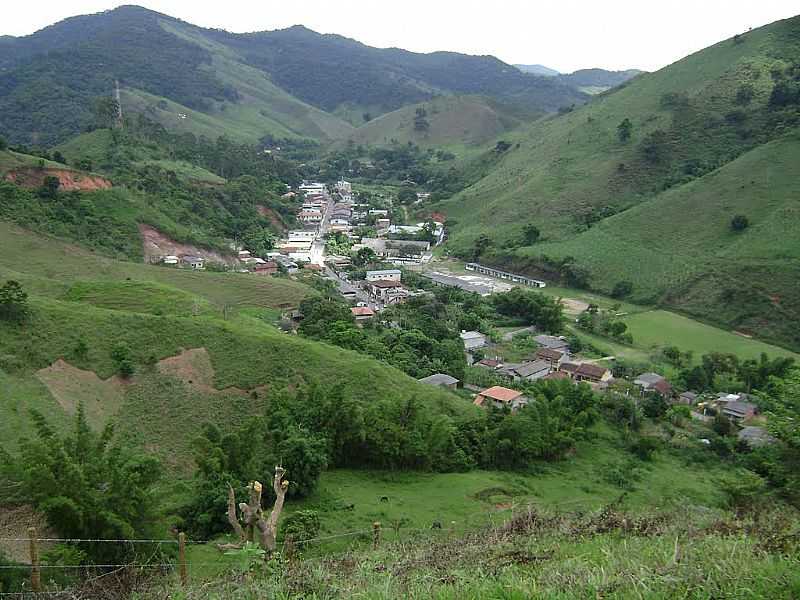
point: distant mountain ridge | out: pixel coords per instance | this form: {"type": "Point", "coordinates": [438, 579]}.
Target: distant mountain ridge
{"type": "Point", "coordinates": [290, 82]}
{"type": "Point", "coordinates": [593, 80]}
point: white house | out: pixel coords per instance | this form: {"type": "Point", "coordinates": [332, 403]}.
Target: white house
{"type": "Point", "coordinates": [473, 340]}
{"type": "Point", "coordinates": [385, 275]}
{"type": "Point", "coordinates": [195, 262]}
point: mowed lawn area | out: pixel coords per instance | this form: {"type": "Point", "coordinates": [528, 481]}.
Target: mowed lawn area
{"type": "Point", "coordinates": [662, 328]}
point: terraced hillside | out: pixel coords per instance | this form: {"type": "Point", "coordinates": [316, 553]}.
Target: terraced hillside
{"type": "Point", "coordinates": [709, 138]}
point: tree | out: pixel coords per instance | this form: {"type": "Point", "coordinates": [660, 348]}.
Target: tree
{"type": "Point", "coordinates": [3, 143]}
{"type": "Point", "coordinates": [13, 302]}
{"type": "Point", "coordinates": [625, 130]}
{"type": "Point", "coordinates": [257, 527]}
{"type": "Point", "coordinates": [59, 158]}
{"type": "Point", "coordinates": [121, 354]}
{"type": "Point", "coordinates": [740, 223]}
{"type": "Point", "coordinates": [258, 240]}
{"type": "Point", "coordinates": [86, 485]}
{"type": "Point", "coordinates": [622, 289]}
{"type": "Point", "coordinates": [367, 117]}
{"type": "Point", "coordinates": [49, 188]}
{"type": "Point", "coordinates": [745, 94]}
{"type": "Point", "coordinates": [420, 121]}
{"type": "Point", "coordinates": [530, 234]}
{"type": "Point", "coordinates": [482, 243]}
{"type": "Point", "coordinates": [364, 256]}
{"type": "Point", "coordinates": [406, 196]}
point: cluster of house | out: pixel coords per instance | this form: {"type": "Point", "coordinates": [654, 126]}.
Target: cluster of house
{"type": "Point", "coordinates": [397, 252]}
{"type": "Point", "coordinates": [187, 261]}
{"type": "Point", "coordinates": [552, 360]}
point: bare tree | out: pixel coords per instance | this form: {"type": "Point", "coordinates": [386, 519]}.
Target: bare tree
{"type": "Point", "coordinates": [257, 527]}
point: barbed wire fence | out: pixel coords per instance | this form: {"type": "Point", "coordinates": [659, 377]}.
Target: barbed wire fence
{"type": "Point", "coordinates": [373, 535]}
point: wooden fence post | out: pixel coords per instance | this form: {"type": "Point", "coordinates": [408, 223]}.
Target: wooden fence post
{"type": "Point", "coordinates": [182, 558]}
{"type": "Point", "coordinates": [36, 576]}
{"type": "Point", "coordinates": [376, 534]}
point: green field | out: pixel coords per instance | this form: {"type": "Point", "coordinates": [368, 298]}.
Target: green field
{"type": "Point", "coordinates": [660, 328]}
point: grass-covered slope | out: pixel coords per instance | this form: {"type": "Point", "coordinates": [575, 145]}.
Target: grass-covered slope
{"type": "Point", "coordinates": [202, 343]}
{"type": "Point", "coordinates": [658, 206]}
{"type": "Point", "coordinates": [452, 121]}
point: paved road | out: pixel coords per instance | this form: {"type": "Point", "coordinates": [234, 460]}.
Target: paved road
{"type": "Point", "coordinates": [318, 247]}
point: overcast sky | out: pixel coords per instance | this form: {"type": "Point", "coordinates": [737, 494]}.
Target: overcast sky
{"type": "Point", "coordinates": [564, 34]}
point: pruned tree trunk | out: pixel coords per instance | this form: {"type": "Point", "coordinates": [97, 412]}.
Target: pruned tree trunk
{"type": "Point", "coordinates": [257, 527]}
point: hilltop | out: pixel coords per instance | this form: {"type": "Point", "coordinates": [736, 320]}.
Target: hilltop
{"type": "Point", "coordinates": [285, 83]}
{"type": "Point", "coordinates": [707, 138]}
{"type": "Point", "coordinates": [446, 121]}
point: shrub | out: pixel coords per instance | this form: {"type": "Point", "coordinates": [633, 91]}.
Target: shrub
{"type": "Point", "coordinates": [622, 289]}
{"type": "Point", "coordinates": [13, 302]}
{"type": "Point", "coordinates": [302, 525]}
{"type": "Point", "coordinates": [644, 447]}
{"type": "Point", "coordinates": [740, 223]}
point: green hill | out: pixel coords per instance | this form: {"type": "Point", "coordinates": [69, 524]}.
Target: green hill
{"type": "Point", "coordinates": [287, 83]}
{"type": "Point", "coordinates": [202, 343]}
{"type": "Point", "coordinates": [711, 137]}
{"type": "Point", "coordinates": [448, 121]}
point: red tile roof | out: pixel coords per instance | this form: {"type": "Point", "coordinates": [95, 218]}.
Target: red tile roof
{"type": "Point", "coordinates": [590, 370]}
{"type": "Point", "coordinates": [501, 394]}
{"type": "Point", "coordinates": [362, 311]}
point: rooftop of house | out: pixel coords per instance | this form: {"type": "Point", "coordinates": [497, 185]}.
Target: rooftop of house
{"type": "Point", "coordinates": [590, 370]}
{"type": "Point", "coordinates": [384, 284]}
{"type": "Point", "coordinates": [550, 341]}
{"type": "Point", "coordinates": [490, 362]}
{"type": "Point", "coordinates": [439, 379]}
{"type": "Point", "coordinates": [501, 394]}
{"type": "Point", "coordinates": [549, 354]}
{"type": "Point", "coordinates": [689, 396]}
{"type": "Point", "coordinates": [530, 368]}
{"type": "Point", "coordinates": [755, 436]}
{"type": "Point", "coordinates": [556, 375]}
{"type": "Point", "coordinates": [384, 272]}
{"type": "Point", "coordinates": [648, 379]}
{"type": "Point", "coordinates": [739, 408]}
{"type": "Point", "coordinates": [663, 387]}
{"type": "Point", "coordinates": [362, 311]}
{"type": "Point", "coordinates": [472, 335]}
{"type": "Point", "coordinates": [570, 367]}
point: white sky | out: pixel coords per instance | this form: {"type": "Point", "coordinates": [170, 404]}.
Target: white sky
{"type": "Point", "coordinates": [564, 35]}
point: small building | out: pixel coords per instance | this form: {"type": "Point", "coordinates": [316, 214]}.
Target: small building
{"type": "Point", "coordinates": [362, 313]}
{"type": "Point", "coordinates": [267, 268]}
{"type": "Point", "coordinates": [755, 437]}
{"type": "Point", "coordinates": [388, 292]}
{"type": "Point", "coordinates": [530, 371]}
{"type": "Point", "coordinates": [383, 223]}
{"type": "Point", "coordinates": [552, 342]}
{"type": "Point", "coordinates": [310, 217]}
{"type": "Point", "coordinates": [739, 411]}
{"type": "Point", "coordinates": [473, 340]}
{"type": "Point", "coordinates": [499, 397]}
{"type": "Point", "coordinates": [648, 381]}
{"type": "Point", "coordinates": [688, 398]}
{"type": "Point", "coordinates": [553, 357]}
{"type": "Point", "coordinates": [170, 260]}
{"type": "Point", "coordinates": [195, 262]}
{"type": "Point", "coordinates": [441, 380]}
{"type": "Point", "coordinates": [385, 275]}
{"type": "Point", "coordinates": [489, 363]}
{"type": "Point", "coordinates": [244, 254]}
{"type": "Point", "coordinates": [587, 372]}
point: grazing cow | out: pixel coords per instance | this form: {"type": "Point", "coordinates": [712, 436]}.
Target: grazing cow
{"type": "Point", "coordinates": [384, 498]}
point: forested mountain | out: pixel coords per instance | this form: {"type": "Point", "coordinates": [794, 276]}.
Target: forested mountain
{"type": "Point", "coordinates": [644, 185]}
{"type": "Point", "coordinates": [286, 82]}
{"type": "Point", "coordinates": [586, 80]}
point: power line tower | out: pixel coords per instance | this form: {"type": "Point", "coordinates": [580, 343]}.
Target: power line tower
{"type": "Point", "coordinates": [117, 97]}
